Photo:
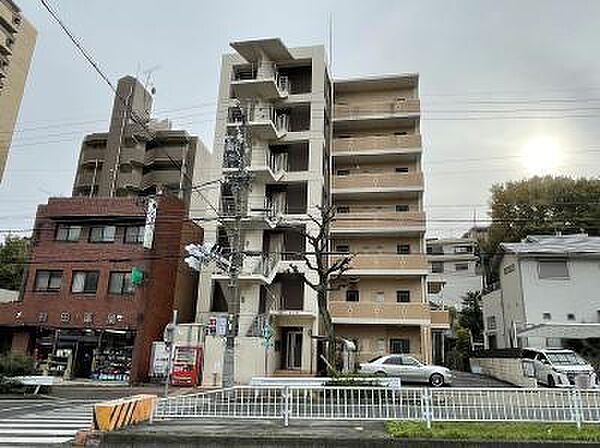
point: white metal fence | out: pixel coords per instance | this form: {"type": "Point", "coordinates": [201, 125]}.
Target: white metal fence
{"type": "Point", "coordinates": [380, 403]}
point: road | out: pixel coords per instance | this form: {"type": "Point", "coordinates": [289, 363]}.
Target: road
{"type": "Point", "coordinates": [42, 422]}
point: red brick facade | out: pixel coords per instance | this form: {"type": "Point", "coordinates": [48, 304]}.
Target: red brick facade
{"type": "Point", "coordinates": [167, 280]}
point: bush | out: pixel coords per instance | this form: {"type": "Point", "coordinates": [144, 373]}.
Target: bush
{"type": "Point", "coordinates": [16, 364]}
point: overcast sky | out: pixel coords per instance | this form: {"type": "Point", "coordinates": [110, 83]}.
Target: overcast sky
{"type": "Point", "coordinates": [488, 69]}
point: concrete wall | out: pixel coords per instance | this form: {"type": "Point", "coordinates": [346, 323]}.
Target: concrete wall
{"type": "Point", "coordinates": [503, 369]}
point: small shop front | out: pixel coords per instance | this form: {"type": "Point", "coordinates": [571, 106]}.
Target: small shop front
{"type": "Point", "coordinates": [103, 355]}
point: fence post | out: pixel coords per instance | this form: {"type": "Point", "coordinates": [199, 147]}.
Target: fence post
{"type": "Point", "coordinates": [426, 405]}
{"type": "Point", "coordinates": [576, 405]}
{"type": "Point", "coordinates": [286, 406]}
{"type": "Point", "coordinates": [152, 410]}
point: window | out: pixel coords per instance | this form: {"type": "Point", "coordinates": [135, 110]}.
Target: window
{"type": "Point", "coordinates": [394, 361]}
{"type": "Point", "coordinates": [343, 172]}
{"type": "Point", "coordinates": [352, 295]}
{"type": "Point", "coordinates": [570, 316]}
{"type": "Point", "coordinates": [85, 282]}
{"type": "Point", "coordinates": [343, 209]}
{"type": "Point", "coordinates": [379, 296]}
{"type": "Point", "coordinates": [48, 281]}
{"type": "Point", "coordinates": [461, 266]}
{"type": "Point", "coordinates": [547, 316]}
{"type": "Point", "coordinates": [491, 322]}
{"type": "Point", "coordinates": [134, 234]}
{"type": "Point", "coordinates": [120, 283]}
{"type": "Point", "coordinates": [402, 169]}
{"type": "Point", "coordinates": [553, 269]}
{"type": "Point", "coordinates": [380, 345]}
{"type": "Point", "coordinates": [102, 234]}
{"type": "Point", "coordinates": [403, 296]}
{"type": "Point", "coordinates": [67, 232]}
{"type": "Point", "coordinates": [434, 287]}
{"type": "Point", "coordinates": [398, 346]}
{"type": "Point", "coordinates": [403, 249]}
{"type": "Point", "coordinates": [437, 267]}
{"type": "Point", "coordinates": [400, 208]}
{"type": "Point", "coordinates": [343, 248]}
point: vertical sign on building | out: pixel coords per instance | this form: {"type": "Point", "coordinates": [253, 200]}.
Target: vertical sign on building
{"type": "Point", "coordinates": [150, 222]}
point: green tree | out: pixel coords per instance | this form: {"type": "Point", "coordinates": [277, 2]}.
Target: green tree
{"type": "Point", "coordinates": [471, 315]}
{"type": "Point", "coordinates": [13, 256]}
{"type": "Point", "coordinates": [539, 205]}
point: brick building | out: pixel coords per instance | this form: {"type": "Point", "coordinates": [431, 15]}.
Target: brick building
{"type": "Point", "coordinates": [78, 310]}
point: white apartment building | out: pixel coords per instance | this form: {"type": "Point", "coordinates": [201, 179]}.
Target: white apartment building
{"type": "Point", "coordinates": [548, 292]}
{"type": "Point", "coordinates": [454, 270]}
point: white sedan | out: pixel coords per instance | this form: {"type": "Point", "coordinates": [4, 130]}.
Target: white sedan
{"type": "Point", "coordinates": [409, 369]}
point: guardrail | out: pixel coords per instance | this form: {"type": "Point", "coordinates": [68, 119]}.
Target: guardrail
{"type": "Point", "coordinates": [116, 414]}
{"type": "Point", "coordinates": [381, 403]}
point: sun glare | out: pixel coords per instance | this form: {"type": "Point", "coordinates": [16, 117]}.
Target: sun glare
{"type": "Point", "coordinates": [541, 155]}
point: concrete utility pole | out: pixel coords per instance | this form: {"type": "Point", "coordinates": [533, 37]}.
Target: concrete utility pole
{"type": "Point", "coordinates": [234, 209]}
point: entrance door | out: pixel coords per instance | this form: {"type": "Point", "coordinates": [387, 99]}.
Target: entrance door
{"type": "Point", "coordinates": [294, 350]}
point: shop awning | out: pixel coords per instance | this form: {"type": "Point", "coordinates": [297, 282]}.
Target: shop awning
{"type": "Point", "coordinates": [562, 331]}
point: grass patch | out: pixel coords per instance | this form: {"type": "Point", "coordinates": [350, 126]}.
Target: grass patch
{"type": "Point", "coordinates": [495, 431]}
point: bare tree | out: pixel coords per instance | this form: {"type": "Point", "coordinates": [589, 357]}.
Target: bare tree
{"type": "Point", "coordinates": [329, 267]}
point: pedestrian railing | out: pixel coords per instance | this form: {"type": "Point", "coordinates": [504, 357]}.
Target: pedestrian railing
{"type": "Point", "coordinates": [381, 403]}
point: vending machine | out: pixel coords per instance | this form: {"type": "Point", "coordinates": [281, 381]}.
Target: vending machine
{"type": "Point", "coordinates": [187, 366]}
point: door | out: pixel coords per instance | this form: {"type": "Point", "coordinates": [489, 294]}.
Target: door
{"type": "Point", "coordinates": [412, 370]}
{"type": "Point", "coordinates": [294, 350]}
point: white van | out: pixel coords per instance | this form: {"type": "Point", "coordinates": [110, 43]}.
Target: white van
{"type": "Point", "coordinates": [561, 368]}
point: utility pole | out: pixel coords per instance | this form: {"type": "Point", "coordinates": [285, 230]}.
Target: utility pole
{"type": "Point", "coordinates": [237, 148]}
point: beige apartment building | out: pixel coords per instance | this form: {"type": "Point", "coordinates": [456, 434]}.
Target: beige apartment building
{"type": "Point", "coordinates": [378, 191]}
{"type": "Point", "coordinates": [17, 40]}
{"type": "Point", "coordinates": [371, 170]}
{"type": "Point", "coordinates": [131, 160]}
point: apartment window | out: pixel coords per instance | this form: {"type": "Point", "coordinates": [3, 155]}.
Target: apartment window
{"type": "Point", "coordinates": [398, 346]}
{"type": "Point", "coordinates": [402, 169]}
{"type": "Point", "coordinates": [437, 267]}
{"type": "Point", "coordinates": [547, 316]}
{"type": "Point", "coordinates": [342, 172]}
{"type": "Point", "coordinates": [553, 269]}
{"type": "Point", "coordinates": [85, 282]}
{"type": "Point", "coordinates": [102, 234]}
{"type": "Point", "coordinates": [120, 283]}
{"type": "Point", "coordinates": [67, 232]}
{"type": "Point", "coordinates": [491, 322]}
{"type": "Point", "coordinates": [342, 248]}
{"type": "Point", "coordinates": [434, 287]}
{"type": "Point", "coordinates": [352, 295]}
{"type": "Point", "coordinates": [343, 209]}
{"type": "Point", "coordinates": [379, 297]}
{"type": "Point", "coordinates": [401, 208]}
{"type": "Point", "coordinates": [134, 234]}
{"type": "Point", "coordinates": [403, 249]}
{"type": "Point", "coordinates": [48, 281]}
{"type": "Point", "coordinates": [461, 266]}
{"type": "Point", "coordinates": [403, 296]}
{"type": "Point", "coordinates": [570, 316]}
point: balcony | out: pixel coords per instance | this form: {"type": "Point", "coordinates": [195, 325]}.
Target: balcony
{"type": "Point", "coordinates": [264, 122]}
{"type": "Point", "coordinates": [264, 163]}
{"type": "Point", "coordinates": [9, 18]}
{"type": "Point", "coordinates": [440, 319]}
{"type": "Point", "coordinates": [379, 313]}
{"type": "Point", "coordinates": [7, 43]}
{"type": "Point", "coordinates": [377, 145]}
{"type": "Point", "coordinates": [379, 222]}
{"type": "Point", "coordinates": [259, 81]}
{"type": "Point", "coordinates": [388, 264]}
{"type": "Point", "coordinates": [378, 183]}
{"type": "Point", "coordinates": [262, 269]}
{"type": "Point", "coordinates": [373, 114]}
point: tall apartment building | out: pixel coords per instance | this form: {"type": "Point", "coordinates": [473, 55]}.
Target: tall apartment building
{"type": "Point", "coordinates": [17, 40]}
{"type": "Point", "coordinates": [378, 192]}
{"type": "Point", "coordinates": [132, 160]}
{"type": "Point", "coordinates": [377, 187]}
{"type": "Point", "coordinates": [455, 269]}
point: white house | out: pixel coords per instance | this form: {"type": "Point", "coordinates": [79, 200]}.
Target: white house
{"type": "Point", "coordinates": [549, 291]}
{"type": "Point", "coordinates": [454, 269]}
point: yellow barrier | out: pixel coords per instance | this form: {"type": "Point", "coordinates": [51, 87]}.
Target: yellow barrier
{"type": "Point", "coordinates": [115, 414]}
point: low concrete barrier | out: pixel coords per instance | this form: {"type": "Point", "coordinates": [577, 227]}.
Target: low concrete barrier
{"type": "Point", "coordinates": [116, 414]}
{"type": "Point", "coordinates": [509, 370]}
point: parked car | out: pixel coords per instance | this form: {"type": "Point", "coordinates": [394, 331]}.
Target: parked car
{"type": "Point", "coordinates": [408, 369]}
{"type": "Point", "coordinates": [560, 368]}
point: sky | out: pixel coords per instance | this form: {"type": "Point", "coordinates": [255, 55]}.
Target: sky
{"type": "Point", "coordinates": [508, 88]}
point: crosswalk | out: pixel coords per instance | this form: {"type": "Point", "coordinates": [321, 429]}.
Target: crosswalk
{"type": "Point", "coordinates": [46, 427]}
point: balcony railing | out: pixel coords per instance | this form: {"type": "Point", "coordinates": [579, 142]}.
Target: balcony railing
{"type": "Point", "coordinates": [388, 262]}
{"type": "Point", "coordinates": [440, 317]}
{"type": "Point", "coordinates": [375, 143]}
{"type": "Point", "coordinates": [376, 109]}
{"type": "Point", "coordinates": [376, 180]}
{"type": "Point", "coordinates": [378, 220]}
{"type": "Point", "coordinates": [265, 72]}
{"type": "Point", "coordinates": [400, 311]}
